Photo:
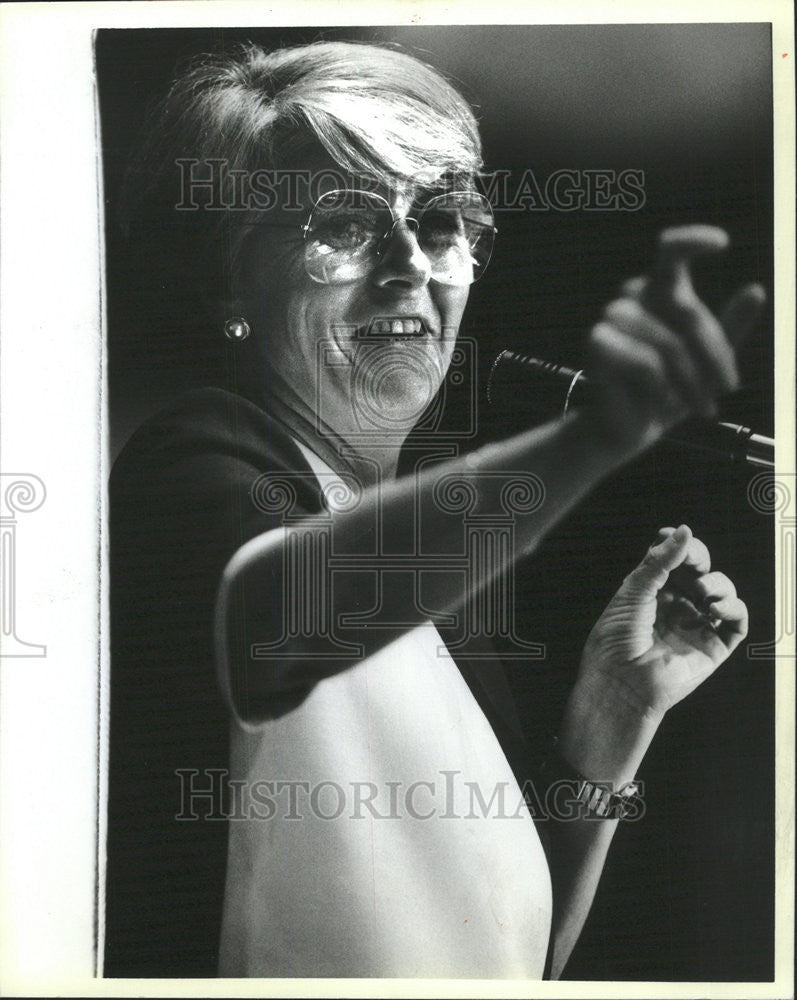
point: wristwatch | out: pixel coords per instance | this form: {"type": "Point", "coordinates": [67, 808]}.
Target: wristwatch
{"type": "Point", "coordinates": [598, 800]}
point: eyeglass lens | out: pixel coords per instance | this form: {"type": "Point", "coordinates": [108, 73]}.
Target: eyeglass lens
{"type": "Point", "coordinates": [347, 229]}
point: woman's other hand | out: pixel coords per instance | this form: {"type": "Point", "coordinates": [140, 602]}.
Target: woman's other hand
{"type": "Point", "coordinates": [670, 625]}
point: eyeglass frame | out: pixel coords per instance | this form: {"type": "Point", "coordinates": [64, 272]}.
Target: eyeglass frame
{"type": "Point", "coordinates": [387, 235]}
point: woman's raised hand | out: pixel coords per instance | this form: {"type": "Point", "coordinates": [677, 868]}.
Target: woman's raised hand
{"type": "Point", "coordinates": [658, 354]}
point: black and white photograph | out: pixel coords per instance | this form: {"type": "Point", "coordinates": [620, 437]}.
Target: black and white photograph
{"type": "Point", "coordinates": [432, 615]}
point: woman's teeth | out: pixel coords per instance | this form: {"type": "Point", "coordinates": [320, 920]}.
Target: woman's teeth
{"type": "Point", "coordinates": [397, 327]}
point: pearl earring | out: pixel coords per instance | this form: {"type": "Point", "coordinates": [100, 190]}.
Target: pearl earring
{"type": "Point", "coordinates": [237, 328]}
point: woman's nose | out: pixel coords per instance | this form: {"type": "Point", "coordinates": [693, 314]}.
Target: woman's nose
{"type": "Point", "coordinates": [401, 260]}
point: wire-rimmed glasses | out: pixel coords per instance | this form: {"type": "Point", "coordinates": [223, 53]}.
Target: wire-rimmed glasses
{"type": "Point", "coordinates": [348, 230]}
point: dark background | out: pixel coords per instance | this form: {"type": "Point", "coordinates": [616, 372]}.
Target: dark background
{"type": "Point", "coordinates": [688, 893]}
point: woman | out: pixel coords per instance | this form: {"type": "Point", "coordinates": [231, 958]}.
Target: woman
{"type": "Point", "coordinates": [323, 202]}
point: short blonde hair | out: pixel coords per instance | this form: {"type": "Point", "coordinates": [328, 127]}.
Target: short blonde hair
{"type": "Point", "coordinates": [375, 110]}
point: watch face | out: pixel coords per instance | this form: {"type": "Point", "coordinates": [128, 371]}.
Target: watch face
{"type": "Point", "coordinates": [604, 803]}
{"type": "Point", "coordinates": [596, 800]}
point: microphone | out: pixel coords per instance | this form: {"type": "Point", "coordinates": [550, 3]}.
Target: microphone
{"type": "Point", "coordinates": [545, 390]}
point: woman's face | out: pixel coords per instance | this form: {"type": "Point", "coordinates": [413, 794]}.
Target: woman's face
{"type": "Point", "coordinates": [367, 354]}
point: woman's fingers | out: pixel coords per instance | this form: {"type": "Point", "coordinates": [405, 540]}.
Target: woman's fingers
{"type": "Point", "coordinates": [743, 312]}
{"type": "Point", "coordinates": [650, 576]}
{"type": "Point", "coordinates": [622, 358]}
{"type": "Point", "coordinates": [710, 587]}
{"type": "Point", "coordinates": [679, 244]}
{"type": "Point", "coordinates": [671, 296]}
{"type": "Point", "coordinates": [711, 592]}
{"type": "Point", "coordinates": [634, 288]}
{"type": "Point", "coordinates": [637, 399]}
{"type": "Point", "coordinates": [680, 556]}
{"type": "Point", "coordinates": [732, 620]}
{"type": "Point", "coordinates": [659, 354]}
{"type": "Point", "coordinates": [629, 316]}
{"type": "Point", "coordinates": [697, 558]}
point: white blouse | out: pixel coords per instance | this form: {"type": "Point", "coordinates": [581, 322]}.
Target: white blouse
{"type": "Point", "coordinates": [378, 831]}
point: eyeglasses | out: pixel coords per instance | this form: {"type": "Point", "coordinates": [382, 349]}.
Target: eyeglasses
{"type": "Point", "coordinates": [349, 230]}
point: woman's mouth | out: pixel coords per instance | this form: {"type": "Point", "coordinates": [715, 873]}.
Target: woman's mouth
{"type": "Point", "coordinates": [394, 328]}
{"type": "Point", "coordinates": [388, 329]}
{"type": "Point", "coordinates": [397, 326]}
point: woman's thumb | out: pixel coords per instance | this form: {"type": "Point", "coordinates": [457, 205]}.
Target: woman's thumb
{"type": "Point", "coordinates": [660, 560]}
